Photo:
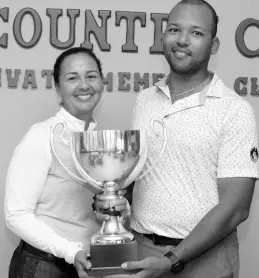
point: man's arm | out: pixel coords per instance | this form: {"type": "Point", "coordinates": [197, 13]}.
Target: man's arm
{"type": "Point", "coordinates": [237, 174]}
{"type": "Point", "coordinates": [235, 196]}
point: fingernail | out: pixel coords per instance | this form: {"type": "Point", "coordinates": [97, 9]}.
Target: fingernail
{"type": "Point", "coordinates": [124, 265]}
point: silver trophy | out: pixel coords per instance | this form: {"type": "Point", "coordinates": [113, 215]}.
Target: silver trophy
{"type": "Point", "coordinates": [107, 161]}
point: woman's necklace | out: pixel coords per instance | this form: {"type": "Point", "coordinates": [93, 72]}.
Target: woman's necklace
{"type": "Point", "coordinates": [186, 92]}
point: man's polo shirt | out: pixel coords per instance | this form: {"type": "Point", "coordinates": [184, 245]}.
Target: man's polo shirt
{"type": "Point", "coordinates": [210, 135]}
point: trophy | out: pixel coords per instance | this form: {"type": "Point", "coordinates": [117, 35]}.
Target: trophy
{"type": "Point", "coordinates": [109, 160]}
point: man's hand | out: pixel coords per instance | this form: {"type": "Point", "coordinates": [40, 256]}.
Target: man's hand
{"type": "Point", "coordinates": [81, 264]}
{"type": "Point", "coordinates": [150, 267]}
{"type": "Point", "coordinates": [118, 204]}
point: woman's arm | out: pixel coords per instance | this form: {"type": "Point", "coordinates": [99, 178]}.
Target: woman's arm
{"type": "Point", "coordinates": [27, 173]}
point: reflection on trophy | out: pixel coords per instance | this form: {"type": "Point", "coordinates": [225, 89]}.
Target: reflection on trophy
{"type": "Point", "coordinates": [109, 160]}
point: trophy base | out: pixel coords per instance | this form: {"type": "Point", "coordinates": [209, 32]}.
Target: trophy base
{"type": "Point", "coordinates": [106, 259]}
{"type": "Point", "coordinates": [108, 272]}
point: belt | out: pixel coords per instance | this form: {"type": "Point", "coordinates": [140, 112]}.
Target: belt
{"type": "Point", "coordinates": [24, 246]}
{"type": "Point", "coordinates": [162, 240]}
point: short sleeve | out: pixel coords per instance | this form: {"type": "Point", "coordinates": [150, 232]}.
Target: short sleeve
{"type": "Point", "coordinates": [238, 152]}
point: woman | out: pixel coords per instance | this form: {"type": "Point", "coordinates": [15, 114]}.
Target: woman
{"type": "Point", "coordinates": [48, 210]}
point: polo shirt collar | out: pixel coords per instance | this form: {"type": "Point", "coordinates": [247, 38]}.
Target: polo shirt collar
{"type": "Point", "coordinates": [214, 89]}
{"type": "Point", "coordinates": [74, 123]}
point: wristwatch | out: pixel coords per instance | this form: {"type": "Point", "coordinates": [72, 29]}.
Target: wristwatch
{"type": "Point", "coordinates": [177, 265]}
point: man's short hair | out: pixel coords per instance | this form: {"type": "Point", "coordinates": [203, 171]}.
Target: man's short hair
{"type": "Point", "coordinates": [204, 3]}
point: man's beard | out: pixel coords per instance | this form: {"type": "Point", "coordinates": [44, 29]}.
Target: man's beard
{"type": "Point", "coordinates": [189, 69]}
{"type": "Point", "coordinates": [192, 67]}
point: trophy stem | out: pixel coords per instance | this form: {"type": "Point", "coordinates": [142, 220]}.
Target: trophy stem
{"type": "Point", "coordinates": [112, 231]}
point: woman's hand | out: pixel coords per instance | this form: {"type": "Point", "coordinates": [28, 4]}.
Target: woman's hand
{"type": "Point", "coordinates": [150, 267]}
{"type": "Point", "coordinates": [81, 264]}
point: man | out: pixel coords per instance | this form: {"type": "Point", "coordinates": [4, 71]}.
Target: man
{"type": "Point", "coordinates": [185, 212]}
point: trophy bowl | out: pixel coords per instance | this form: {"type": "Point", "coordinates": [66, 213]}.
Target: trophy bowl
{"type": "Point", "coordinates": [106, 155]}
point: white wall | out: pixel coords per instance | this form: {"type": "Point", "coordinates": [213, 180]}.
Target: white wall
{"type": "Point", "coordinates": [21, 108]}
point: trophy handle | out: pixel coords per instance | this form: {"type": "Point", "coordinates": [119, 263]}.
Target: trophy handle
{"type": "Point", "coordinates": [66, 142]}
{"type": "Point", "coordinates": [152, 121]}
